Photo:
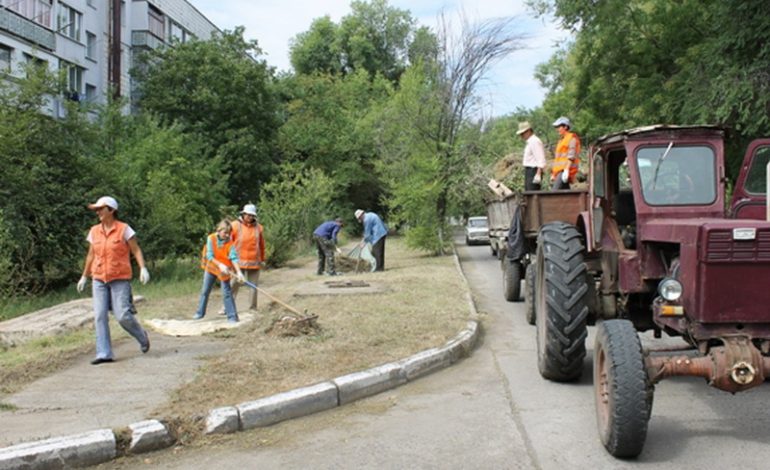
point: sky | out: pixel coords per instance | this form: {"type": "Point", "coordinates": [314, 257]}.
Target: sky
{"type": "Point", "coordinates": [508, 85]}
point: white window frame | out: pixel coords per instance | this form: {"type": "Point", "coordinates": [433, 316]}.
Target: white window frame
{"type": "Point", "coordinates": [69, 22]}
{"type": "Point", "coordinates": [6, 58]}
{"type": "Point", "coordinates": [90, 45]}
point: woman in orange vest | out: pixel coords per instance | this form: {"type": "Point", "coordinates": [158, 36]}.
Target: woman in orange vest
{"type": "Point", "coordinates": [250, 246]}
{"type": "Point", "coordinates": [108, 263]}
{"type": "Point", "coordinates": [566, 161]}
{"type": "Point", "coordinates": [218, 261]}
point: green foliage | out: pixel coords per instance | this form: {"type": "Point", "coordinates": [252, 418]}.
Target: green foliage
{"type": "Point", "coordinates": [330, 126]}
{"type": "Point", "coordinates": [647, 61]}
{"type": "Point", "coordinates": [170, 190]}
{"type": "Point", "coordinates": [219, 91]}
{"type": "Point", "coordinates": [40, 186]}
{"type": "Point", "coordinates": [375, 37]}
{"type": "Point", "coordinates": [293, 204]}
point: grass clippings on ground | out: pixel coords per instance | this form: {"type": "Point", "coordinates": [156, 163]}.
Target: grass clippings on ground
{"type": "Point", "coordinates": [421, 304]}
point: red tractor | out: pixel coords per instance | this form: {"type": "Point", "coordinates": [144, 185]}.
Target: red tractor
{"type": "Point", "coordinates": [652, 247]}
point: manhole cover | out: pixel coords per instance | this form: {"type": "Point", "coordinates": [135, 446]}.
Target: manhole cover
{"type": "Point", "coordinates": [341, 284]}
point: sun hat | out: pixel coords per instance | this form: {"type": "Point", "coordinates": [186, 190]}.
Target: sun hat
{"type": "Point", "coordinates": [359, 213]}
{"type": "Point", "coordinates": [562, 121]}
{"type": "Point", "coordinates": [104, 201]}
{"type": "Point", "coordinates": [249, 209]}
{"type": "Point", "coordinates": [523, 127]}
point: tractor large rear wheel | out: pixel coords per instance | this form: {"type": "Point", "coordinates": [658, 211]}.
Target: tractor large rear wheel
{"type": "Point", "coordinates": [560, 306]}
{"type": "Point", "coordinates": [621, 388]}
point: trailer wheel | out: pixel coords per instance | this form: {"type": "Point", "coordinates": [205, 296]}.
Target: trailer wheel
{"type": "Point", "coordinates": [529, 293]}
{"type": "Point", "coordinates": [621, 388]}
{"type": "Point", "coordinates": [511, 280]}
{"type": "Point", "coordinates": [560, 304]}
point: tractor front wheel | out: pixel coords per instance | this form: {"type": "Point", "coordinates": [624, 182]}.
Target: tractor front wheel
{"type": "Point", "coordinates": [622, 390]}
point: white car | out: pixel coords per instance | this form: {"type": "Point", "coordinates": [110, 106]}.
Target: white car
{"type": "Point", "coordinates": [476, 230]}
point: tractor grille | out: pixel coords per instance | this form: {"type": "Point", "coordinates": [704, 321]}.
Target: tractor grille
{"type": "Point", "coordinates": [722, 247]}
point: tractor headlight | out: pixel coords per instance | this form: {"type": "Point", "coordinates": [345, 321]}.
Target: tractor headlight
{"type": "Point", "coordinates": [670, 289]}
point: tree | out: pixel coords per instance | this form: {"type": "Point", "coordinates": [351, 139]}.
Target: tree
{"type": "Point", "coordinates": [330, 127]}
{"type": "Point", "coordinates": [646, 61]}
{"type": "Point", "coordinates": [430, 110]}
{"type": "Point", "coordinates": [315, 50]}
{"type": "Point", "coordinates": [375, 37]}
{"type": "Point", "coordinates": [218, 89]}
{"type": "Point", "coordinates": [41, 200]}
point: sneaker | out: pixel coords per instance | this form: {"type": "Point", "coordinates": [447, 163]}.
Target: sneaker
{"type": "Point", "coordinates": [146, 347]}
{"type": "Point", "coordinates": [101, 360]}
{"type": "Point", "coordinates": [335, 273]}
{"type": "Point", "coordinates": [197, 317]}
{"type": "Point", "coordinates": [221, 311]}
{"type": "Point", "coordinates": [232, 320]}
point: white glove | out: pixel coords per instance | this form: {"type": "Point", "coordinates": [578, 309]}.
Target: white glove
{"type": "Point", "coordinates": [565, 175]}
{"type": "Point", "coordinates": [144, 276]}
{"type": "Point", "coordinates": [536, 179]}
{"type": "Point", "coordinates": [82, 283]}
{"type": "Point", "coordinates": [241, 278]}
{"type": "Point", "coordinates": [224, 269]}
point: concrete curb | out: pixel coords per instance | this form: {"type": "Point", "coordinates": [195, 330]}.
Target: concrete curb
{"type": "Point", "coordinates": [100, 446]}
{"type": "Point", "coordinates": [79, 450]}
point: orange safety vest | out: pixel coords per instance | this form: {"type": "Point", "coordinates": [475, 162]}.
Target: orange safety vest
{"type": "Point", "coordinates": [249, 244]}
{"type": "Point", "coordinates": [561, 159]}
{"type": "Point", "coordinates": [111, 253]}
{"type": "Point", "coordinates": [221, 254]}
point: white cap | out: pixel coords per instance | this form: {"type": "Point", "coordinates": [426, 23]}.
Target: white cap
{"type": "Point", "coordinates": [104, 201]}
{"type": "Point", "coordinates": [359, 213]}
{"type": "Point", "coordinates": [250, 209]}
{"type": "Point", "coordinates": [562, 121]}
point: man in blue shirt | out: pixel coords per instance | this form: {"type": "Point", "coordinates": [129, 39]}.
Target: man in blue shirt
{"type": "Point", "coordinates": [375, 233]}
{"type": "Point", "coordinates": [325, 237]}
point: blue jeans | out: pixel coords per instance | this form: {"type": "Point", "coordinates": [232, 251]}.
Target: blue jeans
{"type": "Point", "coordinates": [115, 296]}
{"type": "Point", "coordinates": [208, 283]}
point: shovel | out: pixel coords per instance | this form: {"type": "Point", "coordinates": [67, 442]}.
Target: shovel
{"type": "Point", "coordinates": [277, 300]}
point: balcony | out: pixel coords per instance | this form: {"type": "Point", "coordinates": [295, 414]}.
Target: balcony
{"type": "Point", "coordinates": [146, 39]}
{"type": "Point", "coordinates": [27, 29]}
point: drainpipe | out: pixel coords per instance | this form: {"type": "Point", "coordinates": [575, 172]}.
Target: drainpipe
{"type": "Point", "coordinates": [115, 54]}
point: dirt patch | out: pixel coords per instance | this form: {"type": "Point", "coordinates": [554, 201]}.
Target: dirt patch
{"type": "Point", "coordinates": [294, 326]}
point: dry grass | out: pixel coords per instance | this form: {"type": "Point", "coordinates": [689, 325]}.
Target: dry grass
{"type": "Point", "coordinates": [422, 304]}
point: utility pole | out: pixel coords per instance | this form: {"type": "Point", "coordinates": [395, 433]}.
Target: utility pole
{"type": "Point", "coordinates": [115, 47]}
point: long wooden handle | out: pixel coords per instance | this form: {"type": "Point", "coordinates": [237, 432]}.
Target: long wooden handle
{"type": "Point", "coordinates": [272, 297]}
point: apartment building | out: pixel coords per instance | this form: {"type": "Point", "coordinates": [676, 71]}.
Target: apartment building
{"type": "Point", "coordinates": [77, 36]}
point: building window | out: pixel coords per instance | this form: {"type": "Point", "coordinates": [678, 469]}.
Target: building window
{"type": "Point", "coordinates": [73, 80]}
{"type": "Point", "coordinates": [176, 32]}
{"type": "Point", "coordinates": [69, 22]}
{"type": "Point", "coordinates": [38, 11]}
{"type": "Point", "coordinates": [90, 93]}
{"type": "Point", "coordinates": [5, 58]}
{"type": "Point", "coordinates": [90, 45]}
{"type": "Point", "coordinates": [32, 61]}
{"type": "Point", "coordinates": [156, 22]}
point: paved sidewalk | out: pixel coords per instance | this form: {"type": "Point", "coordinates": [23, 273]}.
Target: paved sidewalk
{"type": "Point", "coordinates": [85, 397]}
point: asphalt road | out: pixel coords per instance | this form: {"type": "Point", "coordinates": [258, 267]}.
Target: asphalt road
{"type": "Point", "coordinates": [494, 411]}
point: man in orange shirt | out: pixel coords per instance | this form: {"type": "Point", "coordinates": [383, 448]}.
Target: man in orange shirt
{"type": "Point", "coordinates": [250, 245]}
{"type": "Point", "coordinates": [566, 161]}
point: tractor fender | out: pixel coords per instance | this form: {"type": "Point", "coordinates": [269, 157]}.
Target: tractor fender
{"type": "Point", "coordinates": [582, 225]}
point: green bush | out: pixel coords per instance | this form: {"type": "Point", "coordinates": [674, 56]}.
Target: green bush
{"type": "Point", "coordinates": [292, 206]}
